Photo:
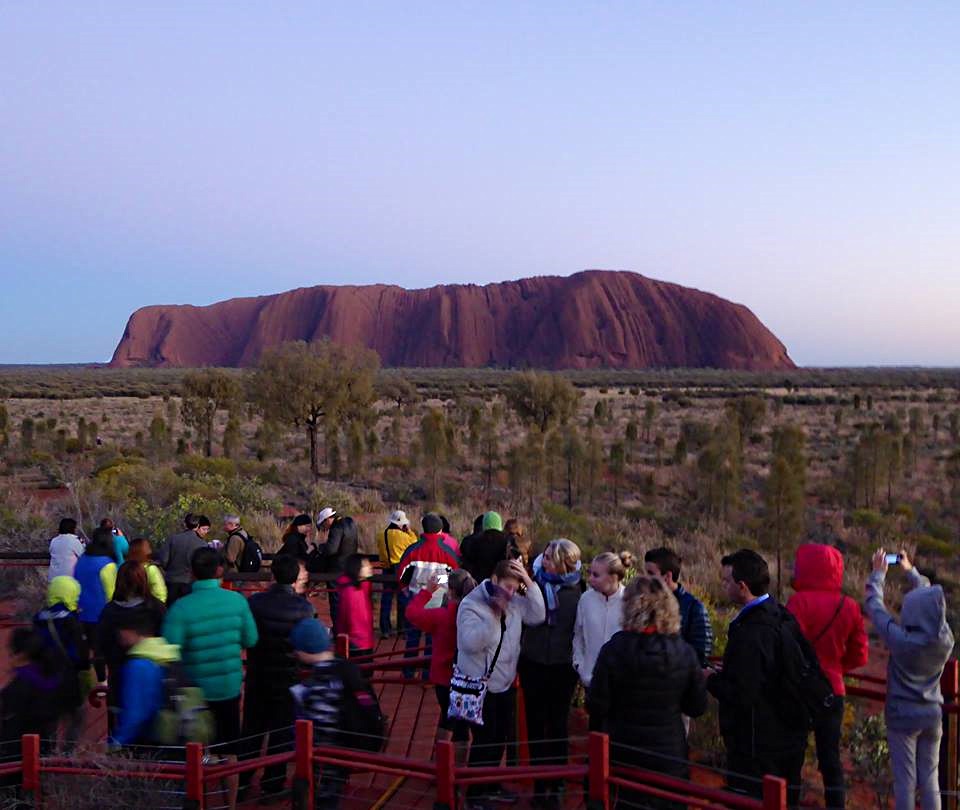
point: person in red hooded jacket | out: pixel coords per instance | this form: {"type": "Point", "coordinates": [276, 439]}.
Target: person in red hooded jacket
{"type": "Point", "coordinates": [355, 607]}
{"type": "Point", "coordinates": [833, 624]}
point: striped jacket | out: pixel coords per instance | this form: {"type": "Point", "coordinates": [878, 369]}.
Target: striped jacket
{"type": "Point", "coordinates": [431, 554]}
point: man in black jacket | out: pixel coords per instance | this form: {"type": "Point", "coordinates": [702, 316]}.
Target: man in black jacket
{"type": "Point", "coordinates": [343, 540]}
{"type": "Point", "coordinates": [481, 551]}
{"type": "Point", "coordinates": [272, 670]}
{"type": "Point", "coordinates": [760, 732]}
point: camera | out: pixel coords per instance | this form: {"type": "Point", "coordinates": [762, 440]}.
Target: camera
{"type": "Point", "coordinates": [894, 559]}
{"type": "Point", "coordinates": [443, 579]}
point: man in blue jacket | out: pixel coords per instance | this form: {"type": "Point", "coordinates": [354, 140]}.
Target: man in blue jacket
{"type": "Point", "coordinates": [695, 626]}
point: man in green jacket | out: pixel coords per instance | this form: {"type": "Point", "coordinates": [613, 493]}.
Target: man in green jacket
{"type": "Point", "coordinates": [212, 626]}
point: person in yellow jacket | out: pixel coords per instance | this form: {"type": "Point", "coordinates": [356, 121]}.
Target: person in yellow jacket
{"type": "Point", "coordinates": [141, 551]}
{"type": "Point", "coordinates": [396, 539]}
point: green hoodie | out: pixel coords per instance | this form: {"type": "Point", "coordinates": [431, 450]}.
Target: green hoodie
{"type": "Point", "coordinates": [63, 591]}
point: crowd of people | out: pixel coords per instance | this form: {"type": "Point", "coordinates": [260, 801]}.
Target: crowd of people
{"type": "Point", "coordinates": [130, 624]}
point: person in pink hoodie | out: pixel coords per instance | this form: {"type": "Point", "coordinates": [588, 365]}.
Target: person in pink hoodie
{"type": "Point", "coordinates": [833, 624]}
{"type": "Point", "coordinates": [355, 606]}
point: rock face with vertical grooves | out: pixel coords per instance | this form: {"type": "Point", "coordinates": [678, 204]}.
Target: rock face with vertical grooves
{"type": "Point", "coordinates": [593, 319]}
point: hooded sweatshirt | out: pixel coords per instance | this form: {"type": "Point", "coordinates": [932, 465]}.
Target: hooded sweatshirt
{"type": "Point", "coordinates": [59, 624]}
{"type": "Point", "coordinates": [919, 645]}
{"type": "Point", "coordinates": [479, 628]}
{"type": "Point", "coordinates": [142, 695]}
{"type": "Point", "coordinates": [598, 618]}
{"type": "Point", "coordinates": [829, 620]}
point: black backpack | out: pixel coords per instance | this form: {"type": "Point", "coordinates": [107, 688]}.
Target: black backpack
{"type": "Point", "coordinates": [363, 727]}
{"type": "Point", "coordinates": [804, 692]}
{"type": "Point", "coordinates": [251, 558]}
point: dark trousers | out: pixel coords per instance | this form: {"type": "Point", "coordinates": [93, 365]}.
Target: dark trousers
{"type": "Point", "coordinates": [91, 633]}
{"type": "Point", "coordinates": [176, 590]}
{"type": "Point", "coordinates": [547, 694]}
{"type": "Point", "coordinates": [331, 784]}
{"type": "Point", "coordinates": [386, 602]}
{"type": "Point", "coordinates": [334, 599]}
{"type": "Point", "coordinates": [226, 717]}
{"type": "Point", "coordinates": [412, 642]}
{"type": "Point", "coordinates": [265, 717]}
{"type": "Point", "coordinates": [826, 733]}
{"type": "Point", "coordinates": [747, 769]}
{"type": "Point", "coordinates": [490, 739]}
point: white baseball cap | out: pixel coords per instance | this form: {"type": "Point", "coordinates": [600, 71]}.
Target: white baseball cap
{"type": "Point", "coordinates": [326, 512]}
{"type": "Point", "coordinates": [399, 517]}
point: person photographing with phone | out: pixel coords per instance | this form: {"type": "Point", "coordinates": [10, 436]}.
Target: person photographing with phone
{"type": "Point", "coordinates": [919, 644]}
{"type": "Point", "coordinates": [440, 623]}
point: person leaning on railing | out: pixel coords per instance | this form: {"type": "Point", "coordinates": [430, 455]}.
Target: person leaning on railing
{"type": "Point", "coordinates": [919, 644]}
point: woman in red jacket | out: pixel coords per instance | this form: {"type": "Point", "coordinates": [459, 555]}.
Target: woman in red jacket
{"type": "Point", "coordinates": [355, 606]}
{"type": "Point", "coordinates": [441, 623]}
{"type": "Point", "coordinates": [833, 624]}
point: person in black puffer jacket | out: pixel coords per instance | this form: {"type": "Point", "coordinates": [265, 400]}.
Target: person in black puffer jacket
{"type": "Point", "coordinates": [272, 670]}
{"type": "Point", "coordinates": [343, 541]}
{"type": "Point", "coordinates": [645, 679]}
{"type": "Point", "coordinates": [546, 663]}
{"type": "Point", "coordinates": [481, 551]}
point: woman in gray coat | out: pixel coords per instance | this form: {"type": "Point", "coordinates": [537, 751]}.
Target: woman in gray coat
{"type": "Point", "coordinates": [919, 644]}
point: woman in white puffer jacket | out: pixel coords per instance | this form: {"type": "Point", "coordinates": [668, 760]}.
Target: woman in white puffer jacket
{"type": "Point", "coordinates": [600, 610]}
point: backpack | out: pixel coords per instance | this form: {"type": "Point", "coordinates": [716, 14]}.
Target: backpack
{"type": "Point", "coordinates": [804, 692]}
{"type": "Point", "coordinates": [363, 727]}
{"type": "Point", "coordinates": [251, 558]}
{"type": "Point", "coordinates": [184, 715]}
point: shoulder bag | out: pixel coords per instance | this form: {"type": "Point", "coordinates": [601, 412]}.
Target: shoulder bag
{"type": "Point", "coordinates": [468, 692]}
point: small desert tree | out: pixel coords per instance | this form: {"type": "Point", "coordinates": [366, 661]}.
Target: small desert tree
{"type": "Point", "coordinates": [204, 393]}
{"type": "Point", "coordinates": [434, 440]}
{"type": "Point", "coordinates": [649, 416]}
{"type": "Point", "coordinates": [783, 494]}
{"type": "Point", "coordinates": [542, 400]}
{"type": "Point", "coordinates": [314, 385]}
{"type": "Point", "coordinates": [573, 453]}
{"type": "Point", "coordinates": [719, 467]}
{"type": "Point", "coordinates": [617, 465]}
{"type": "Point", "coordinates": [748, 411]}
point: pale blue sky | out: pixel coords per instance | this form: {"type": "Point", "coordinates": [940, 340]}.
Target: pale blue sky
{"type": "Point", "coordinates": [801, 158]}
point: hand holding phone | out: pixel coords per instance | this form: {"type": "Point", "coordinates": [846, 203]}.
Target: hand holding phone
{"type": "Point", "coordinates": [893, 559]}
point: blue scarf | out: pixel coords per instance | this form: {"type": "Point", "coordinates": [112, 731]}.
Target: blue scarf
{"type": "Point", "coordinates": [550, 584]}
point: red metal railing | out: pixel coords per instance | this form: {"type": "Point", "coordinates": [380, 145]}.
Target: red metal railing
{"type": "Point", "coordinates": [442, 773]}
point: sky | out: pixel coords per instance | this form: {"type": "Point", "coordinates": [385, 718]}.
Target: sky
{"type": "Point", "coordinates": [802, 158]}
